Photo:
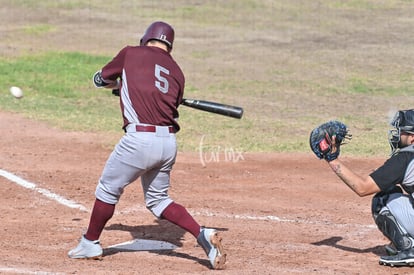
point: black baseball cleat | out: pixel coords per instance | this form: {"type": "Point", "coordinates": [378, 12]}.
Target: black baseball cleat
{"type": "Point", "coordinates": [402, 258]}
{"type": "Point", "coordinates": [390, 250]}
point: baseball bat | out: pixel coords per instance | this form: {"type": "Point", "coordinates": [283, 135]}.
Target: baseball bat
{"type": "Point", "coordinates": [208, 106]}
{"type": "Point", "coordinates": [214, 107]}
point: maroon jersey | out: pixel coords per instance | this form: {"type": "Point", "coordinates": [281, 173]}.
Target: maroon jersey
{"type": "Point", "coordinates": [152, 85]}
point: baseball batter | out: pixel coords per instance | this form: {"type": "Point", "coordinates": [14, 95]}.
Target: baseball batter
{"type": "Point", "coordinates": [392, 183]}
{"type": "Point", "coordinates": [151, 88]}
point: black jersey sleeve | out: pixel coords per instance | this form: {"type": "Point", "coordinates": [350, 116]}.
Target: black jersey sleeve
{"type": "Point", "coordinates": [392, 172]}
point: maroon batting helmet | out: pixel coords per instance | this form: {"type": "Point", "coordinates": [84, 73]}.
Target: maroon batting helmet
{"type": "Point", "coordinates": [160, 31]}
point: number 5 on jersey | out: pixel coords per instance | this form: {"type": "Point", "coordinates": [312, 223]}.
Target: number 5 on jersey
{"type": "Point", "coordinates": [161, 83]}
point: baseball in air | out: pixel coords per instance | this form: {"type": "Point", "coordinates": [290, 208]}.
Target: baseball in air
{"type": "Point", "coordinates": [16, 92]}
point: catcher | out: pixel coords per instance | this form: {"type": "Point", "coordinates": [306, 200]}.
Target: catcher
{"type": "Point", "coordinates": [392, 183]}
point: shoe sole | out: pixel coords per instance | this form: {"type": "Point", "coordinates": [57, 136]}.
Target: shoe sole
{"type": "Point", "coordinates": [220, 260]}
{"type": "Point", "coordinates": [98, 258]}
{"type": "Point", "coordinates": [398, 263]}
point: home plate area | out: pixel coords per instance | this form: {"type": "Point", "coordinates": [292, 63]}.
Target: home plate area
{"type": "Point", "coordinates": [140, 245]}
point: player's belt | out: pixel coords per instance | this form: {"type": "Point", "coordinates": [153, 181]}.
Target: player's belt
{"type": "Point", "coordinates": [151, 128]}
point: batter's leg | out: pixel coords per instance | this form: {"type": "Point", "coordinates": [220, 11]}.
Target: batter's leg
{"type": "Point", "coordinates": [102, 212]}
{"type": "Point", "coordinates": [178, 215]}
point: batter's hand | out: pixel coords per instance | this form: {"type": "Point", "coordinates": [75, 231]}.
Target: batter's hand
{"type": "Point", "coordinates": [99, 82]}
{"type": "Point", "coordinates": [115, 92]}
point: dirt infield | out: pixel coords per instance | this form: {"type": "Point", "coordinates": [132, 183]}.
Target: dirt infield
{"type": "Point", "coordinates": [277, 213]}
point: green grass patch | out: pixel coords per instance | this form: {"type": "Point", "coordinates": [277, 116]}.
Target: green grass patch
{"type": "Point", "coordinates": [72, 4]}
{"type": "Point", "coordinates": [58, 89]}
{"type": "Point", "coordinates": [39, 29]}
{"type": "Point", "coordinates": [290, 64]}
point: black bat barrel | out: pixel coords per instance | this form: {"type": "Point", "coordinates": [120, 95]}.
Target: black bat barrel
{"type": "Point", "coordinates": [214, 107]}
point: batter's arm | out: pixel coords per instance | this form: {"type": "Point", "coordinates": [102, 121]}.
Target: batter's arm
{"type": "Point", "coordinates": [109, 76]}
{"type": "Point", "coordinates": [100, 82]}
{"type": "Point", "coordinates": [361, 186]}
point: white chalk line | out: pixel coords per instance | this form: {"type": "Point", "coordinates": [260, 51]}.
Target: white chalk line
{"type": "Point", "coordinates": [277, 219]}
{"type": "Point", "coordinates": [32, 186]}
{"type": "Point", "coordinates": [26, 271]}
{"type": "Point", "coordinates": [248, 217]}
{"type": "Point", "coordinates": [72, 204]}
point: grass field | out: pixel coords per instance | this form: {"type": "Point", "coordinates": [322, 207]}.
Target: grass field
{"type": "Point", "coordinates": [291, 64]}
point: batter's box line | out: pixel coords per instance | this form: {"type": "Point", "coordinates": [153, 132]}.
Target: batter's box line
{"type": "Point", "coordinates": [278, 219]}
{"type": "Point", "coordinates": [32, 186]}
{"type": "Point", "coordinates": [207, 213]}
{"type": "Point", "coordinates": [72, 204]}
{"type": "Point", "coordinates": [16, 270]}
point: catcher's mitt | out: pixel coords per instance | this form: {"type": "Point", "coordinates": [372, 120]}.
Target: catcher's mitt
{"type": "Point", "coordinates": [321, 139]}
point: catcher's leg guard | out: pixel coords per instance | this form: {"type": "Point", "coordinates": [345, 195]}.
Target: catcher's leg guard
{"type": "Point", "coordinates": [389, 226]}
{"type": "Point", "coordinates": [387, 223]}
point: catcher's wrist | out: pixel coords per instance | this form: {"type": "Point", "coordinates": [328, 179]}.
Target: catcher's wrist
{"type": "Point", "coordinates": [335, 166]}
{"type": "Point", "coordinates": [331, 157]}
{"type": "Point", "coordinates": [332, 161]}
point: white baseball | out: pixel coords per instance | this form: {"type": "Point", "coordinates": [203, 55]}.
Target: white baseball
{"type": "Point", "coordinates": [16, 92]}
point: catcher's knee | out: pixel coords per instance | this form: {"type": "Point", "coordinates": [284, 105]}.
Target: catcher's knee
{"type": "Point", "coordinates": [380, 199]}
{"type": "Point", "coordinates": [386, 221]}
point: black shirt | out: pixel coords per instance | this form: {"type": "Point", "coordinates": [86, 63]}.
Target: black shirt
{"type": "Point", "coordinates": [398, 169]}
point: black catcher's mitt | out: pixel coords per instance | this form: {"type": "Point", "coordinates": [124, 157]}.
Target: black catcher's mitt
{"type": "Point", "coordinates": [321, 142]}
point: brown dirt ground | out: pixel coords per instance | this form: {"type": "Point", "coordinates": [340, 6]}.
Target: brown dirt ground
{"type": "Point", "coordinates": [277, 213]}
